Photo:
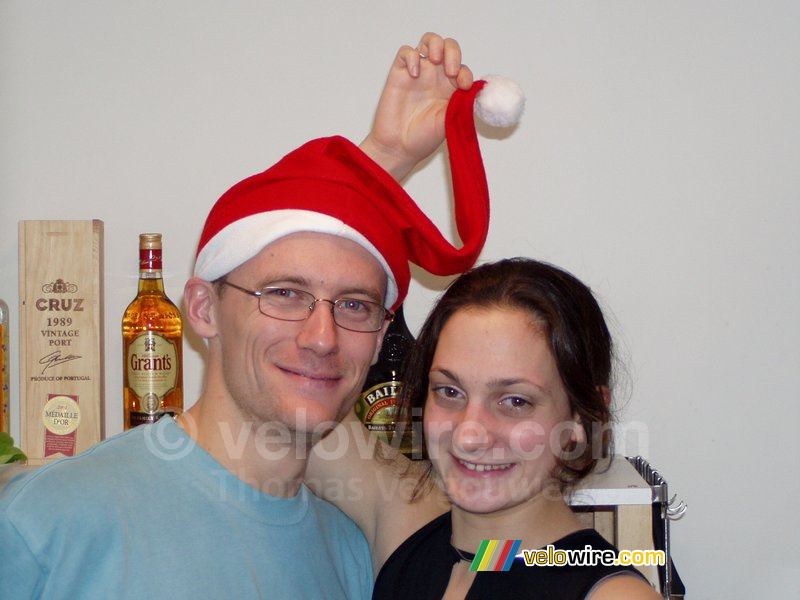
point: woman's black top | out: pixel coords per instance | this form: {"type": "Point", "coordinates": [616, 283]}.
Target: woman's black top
{"type": "Point", "coordinates": [420, 569]}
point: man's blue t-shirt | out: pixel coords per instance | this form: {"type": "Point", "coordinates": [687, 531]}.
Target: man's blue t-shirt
{"type": "Point", "coordinates": [149, 514]}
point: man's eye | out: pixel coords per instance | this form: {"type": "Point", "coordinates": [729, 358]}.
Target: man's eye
{"type": "Point", "coordinates": [282, 295]}
{"type": "Point", "coordinates": [352, 305]}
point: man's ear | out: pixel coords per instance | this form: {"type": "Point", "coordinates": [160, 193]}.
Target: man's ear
{"type": "Point", "coordinates": [200, 299]}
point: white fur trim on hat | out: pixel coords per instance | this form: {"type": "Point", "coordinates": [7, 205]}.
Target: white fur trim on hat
{"type": "Point", "coordinates": [243, 239]}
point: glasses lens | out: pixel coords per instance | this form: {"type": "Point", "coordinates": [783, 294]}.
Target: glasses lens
{"type": "Point", "coordinates": [358, 315]}
{"type": "Point", "coordinates": [285, 303]}
{"type": "Point", "coordinates": [289, 304]}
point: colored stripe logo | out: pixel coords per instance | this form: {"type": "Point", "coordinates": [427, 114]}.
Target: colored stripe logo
{"type": "Point", "coordinates": [495, 555]}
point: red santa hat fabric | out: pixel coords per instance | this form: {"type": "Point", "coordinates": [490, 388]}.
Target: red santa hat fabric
{"type": "Point", "coordinates": [329, 185]}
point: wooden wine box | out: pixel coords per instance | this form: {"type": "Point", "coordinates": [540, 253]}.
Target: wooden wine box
{"type": "Point", "coordinates": [60, 337]}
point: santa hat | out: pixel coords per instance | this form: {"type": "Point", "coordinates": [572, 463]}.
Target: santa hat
{"type": "Point", "coordinates": [330, 186]}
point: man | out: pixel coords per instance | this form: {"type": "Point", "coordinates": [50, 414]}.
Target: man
{"type": "Point", "coordinates": [297, 270]}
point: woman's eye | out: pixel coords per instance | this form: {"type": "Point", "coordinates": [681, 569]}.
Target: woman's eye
{"type": "Point", "coordinates": [446, 392]}
{"type": "Point", "coordinates": [516, 404]}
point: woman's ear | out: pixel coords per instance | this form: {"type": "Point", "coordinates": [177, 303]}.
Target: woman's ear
{"type": "Point", "coordinates": [200, 299]}
{"type": "Point", "coordinates": [578, 431]}
{"type": "Point", "coordinates": [606, 393]}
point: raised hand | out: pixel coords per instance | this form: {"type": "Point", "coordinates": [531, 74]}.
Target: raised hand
{"type": "Point", "coordinates": [409, 121]}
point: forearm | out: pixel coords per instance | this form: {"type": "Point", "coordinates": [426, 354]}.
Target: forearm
{"type": "Point", "coordinates": [393, 162]}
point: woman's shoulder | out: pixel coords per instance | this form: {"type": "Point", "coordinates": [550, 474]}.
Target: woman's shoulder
{"type": "Point", "coordinates": [578, 540]}
{"type": "Point", "coordinates": [581, 565]}
{"type": "Point", "coordinates": [436, 532]}
{"type": "Point", "coordinates": [420, 565]}
{"type": "Point", "coordinates": [617, 582]}
{"type": "Point", "coordinates": [623, 585]}
{"type": "Point", "coordinates": [409, 520]}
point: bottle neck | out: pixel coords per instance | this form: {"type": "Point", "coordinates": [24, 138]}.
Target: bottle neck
{"type": "Point", "coordinates": [397, 341]}
{"type": "Point", "coordinates": [149, 284]}
{"type": "Point", "coordinates": [398, 326]}
{"type": "Point", "coordinates": [150, 270]}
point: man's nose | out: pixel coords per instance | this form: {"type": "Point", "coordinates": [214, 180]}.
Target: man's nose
{"type": "Point", "coordinates": [319, 331]}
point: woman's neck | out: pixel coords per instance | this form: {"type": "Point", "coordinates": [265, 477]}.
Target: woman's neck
{"type": "Point", "coordinates": [537, 522]}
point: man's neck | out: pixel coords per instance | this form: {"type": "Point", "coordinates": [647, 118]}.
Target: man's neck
{"type": "Point", "coordinates": [273, 464]}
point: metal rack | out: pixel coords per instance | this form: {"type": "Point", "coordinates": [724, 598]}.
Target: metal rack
{"type": "Point", "coordinates": [665, 510]}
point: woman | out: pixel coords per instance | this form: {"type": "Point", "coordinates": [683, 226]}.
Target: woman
{"type": "Point", "coordinates": [512, 369]}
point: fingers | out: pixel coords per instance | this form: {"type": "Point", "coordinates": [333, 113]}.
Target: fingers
{"type": "Point", "coordinates": [432, 47]}
{"type": "Point", "coordinates": [441, 50]}
{"type": "Point", "coordinates": [446, 52]}
{"type": "Point", "coordinates": [438, 51]}
{"type": "Point", "coordinates": [451, 57]}
{"type": "Point", "coordinates": [409, 58]}
{"type": "Point", "coordinates": [465, 78]}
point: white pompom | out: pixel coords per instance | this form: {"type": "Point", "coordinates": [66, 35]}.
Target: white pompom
{"type": "Point", "coordinates": [500, 103]}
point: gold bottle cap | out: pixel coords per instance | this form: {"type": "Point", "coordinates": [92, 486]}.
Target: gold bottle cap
{"type": "Point", "coordinates": [150, 241]}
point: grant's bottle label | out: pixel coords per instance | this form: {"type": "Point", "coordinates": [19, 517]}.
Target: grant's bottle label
{"type": "Point", "coordinates": [153, 368]}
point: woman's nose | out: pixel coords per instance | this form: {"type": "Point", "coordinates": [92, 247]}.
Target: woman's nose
{"type": "Point", "coordinates": [473, 433]}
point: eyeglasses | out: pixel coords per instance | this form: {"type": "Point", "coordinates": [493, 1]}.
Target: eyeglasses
{"type": "Point", "coordinates": [288, 304]}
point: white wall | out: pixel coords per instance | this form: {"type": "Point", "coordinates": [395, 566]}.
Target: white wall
{"type": "Point", "coordinates": [657, 160]}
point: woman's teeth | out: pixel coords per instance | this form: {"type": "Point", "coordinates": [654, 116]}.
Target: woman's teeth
{"type": "Point", "coordinates": [481, 468]}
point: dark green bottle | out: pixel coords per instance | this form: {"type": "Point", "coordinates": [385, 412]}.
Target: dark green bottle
{"type": "Point", "coordinates": [377, 405]}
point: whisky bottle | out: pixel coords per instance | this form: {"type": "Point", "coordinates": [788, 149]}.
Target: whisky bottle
{"type": "Point", "coordinates": [152, 347]}
{"type": "Point", "coordinates": [377, 406]}
{"type": "Point", "coordinates": [5, 418]}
